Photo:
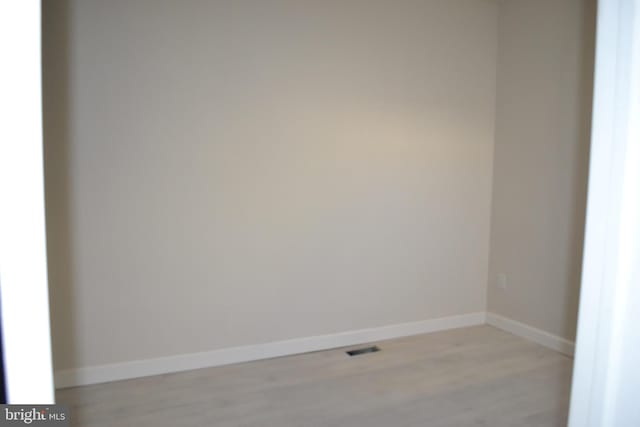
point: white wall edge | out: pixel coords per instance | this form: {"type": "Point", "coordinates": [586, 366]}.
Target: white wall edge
{"type": "Point", "coordinates": [227, 356]}
{"type": "Point", "coordinates": [530, 333]}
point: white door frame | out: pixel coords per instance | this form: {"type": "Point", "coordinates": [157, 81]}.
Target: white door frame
{"type": "Point", "coordinates": [23, 265]}
{"type": "Point", "coordinates": [606, 382]}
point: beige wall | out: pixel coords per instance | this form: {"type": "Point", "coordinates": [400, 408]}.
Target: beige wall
{"type": "Point", "coordinates": [545, 66]}
{"type": "Point", "coordinates": [235, 172]}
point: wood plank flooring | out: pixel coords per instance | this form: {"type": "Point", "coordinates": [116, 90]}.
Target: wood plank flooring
{"type": "Point", "coordinates": [477, 376]}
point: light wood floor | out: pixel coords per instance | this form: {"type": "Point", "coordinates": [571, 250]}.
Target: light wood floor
{"type": "Point", "coordinates": [477, 376]}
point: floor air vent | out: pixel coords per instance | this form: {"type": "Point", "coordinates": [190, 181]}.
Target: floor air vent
{"type": "Point", "coordinates": [365, 350]}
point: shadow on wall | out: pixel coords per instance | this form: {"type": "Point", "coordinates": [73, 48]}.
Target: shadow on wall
{"type": "Point", "coordinates": [57, 165]}
{"type": "Point", "coordinates": [581, 177]}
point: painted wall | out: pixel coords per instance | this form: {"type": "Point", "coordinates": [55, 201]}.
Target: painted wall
{"type": "Point", "coordinates": [225, 173]}
{"type": "Point", "coordinates": [545, 80]}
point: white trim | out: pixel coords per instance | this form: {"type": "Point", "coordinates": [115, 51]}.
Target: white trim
{"type": "Point", "coordinates": [23, 263]}
{"type": "Point", "coordinates": [539, 336]}
{"type": "Point", "coordinates": [606, 376]}
{"type": "Point", "coordinates": [226, 356]}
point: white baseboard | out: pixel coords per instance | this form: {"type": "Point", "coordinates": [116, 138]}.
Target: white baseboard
{"type": "Point", "coordinates": [185, 362]}
{"type": "Point", "coordinates": [541, 337]}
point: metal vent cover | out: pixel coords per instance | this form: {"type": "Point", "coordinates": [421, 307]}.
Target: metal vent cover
{"type": "Point", "coordinates": [364, 350]}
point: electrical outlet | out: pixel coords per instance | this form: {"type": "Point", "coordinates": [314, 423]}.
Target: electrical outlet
{"type": "Point", "coordinates": [501, 281]}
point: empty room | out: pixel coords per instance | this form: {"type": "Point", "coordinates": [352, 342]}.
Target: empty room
{"type": "Point", "coordinates": [316, 213]}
